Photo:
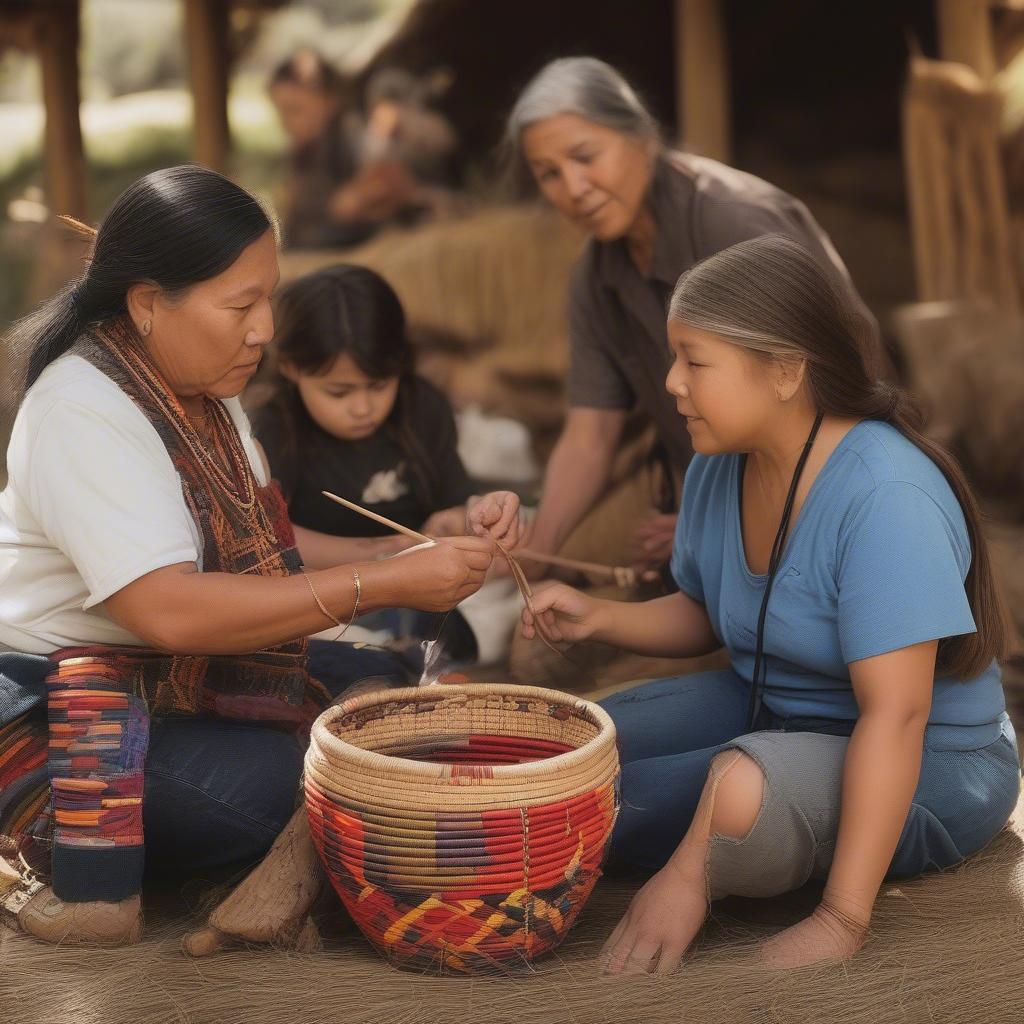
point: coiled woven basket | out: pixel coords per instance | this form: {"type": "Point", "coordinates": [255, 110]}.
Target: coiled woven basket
{"type": "Point", "coordinates": [463, 827]}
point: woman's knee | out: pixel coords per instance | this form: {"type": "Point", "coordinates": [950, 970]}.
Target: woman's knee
{"type": "Point", "coordinates": [767, 832]}
{"type": "Point", "coordinates": [339, 665]}
{"type": "Point", "coordinates": [218, 793]}
{"type": "Point", "coordinates": [736, 783]}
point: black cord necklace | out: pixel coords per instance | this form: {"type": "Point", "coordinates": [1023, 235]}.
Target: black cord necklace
{"type": "Point", "coordinates": [760, 664]}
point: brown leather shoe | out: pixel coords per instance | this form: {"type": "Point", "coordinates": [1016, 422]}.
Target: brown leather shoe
{"type": "Point", "coordinates": [86, 924]}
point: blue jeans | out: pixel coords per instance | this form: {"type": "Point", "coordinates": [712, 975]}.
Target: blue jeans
{"type": "Point", "coordinates": [669, 731]}
{"type": "Point", "coordinates": [219, 792]}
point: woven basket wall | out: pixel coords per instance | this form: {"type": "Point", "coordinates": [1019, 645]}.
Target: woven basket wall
{"type": "Point", "coordinates": [463, 827]}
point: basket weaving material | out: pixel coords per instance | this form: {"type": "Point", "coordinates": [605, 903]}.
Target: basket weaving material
{"type": "Point", "coordinates": [463, 827]}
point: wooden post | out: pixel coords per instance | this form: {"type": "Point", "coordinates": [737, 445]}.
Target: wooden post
{"type": "Point", "coordinates": [965, 34]}
{"type": "Point", "coordinates": [960, 220]}
{"type": "Point", "coordinates": [56, 39]}
{"type": "Point", "coordinates": [702, 78]}
{"type": "Point", "coordinates": [206, 41]}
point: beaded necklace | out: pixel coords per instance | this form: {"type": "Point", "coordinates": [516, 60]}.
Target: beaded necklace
{"type": "Point", "coordinates": [231, 474]}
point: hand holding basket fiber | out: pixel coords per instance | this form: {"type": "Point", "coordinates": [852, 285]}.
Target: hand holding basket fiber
{"type": "Point", "coordinates": [463, 827]}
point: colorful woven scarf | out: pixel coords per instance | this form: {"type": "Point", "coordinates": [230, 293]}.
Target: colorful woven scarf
{"type": "Point", "coordinates": [100, 698]}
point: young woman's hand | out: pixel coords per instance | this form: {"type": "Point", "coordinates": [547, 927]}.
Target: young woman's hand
{"type": "Point", "coordinates": [496, 515]}
{"type": "Point", "coordinates": [652, 542]}
{"type": "Point", "coordinates": [448, 522]}
{"type": "Point", "coordinates": [564, 614]}
{"type": "Point", "coordinates": [437, 576]}
{"type": "Point", "coordinates": [660, 924]}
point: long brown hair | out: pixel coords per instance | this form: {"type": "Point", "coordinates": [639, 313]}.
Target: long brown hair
{"type": "Point", "coordinates": [770, 295]}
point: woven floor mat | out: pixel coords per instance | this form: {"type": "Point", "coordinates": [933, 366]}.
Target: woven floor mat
{"type": "Point", "coordinates": [945, 949]}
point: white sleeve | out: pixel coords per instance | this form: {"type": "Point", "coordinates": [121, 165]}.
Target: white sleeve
{"type": "Point", "coordinates": [105, 491]}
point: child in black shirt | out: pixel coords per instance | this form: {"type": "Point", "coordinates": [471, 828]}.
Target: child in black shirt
{"type": "Point", "coordinates": [348, 414]}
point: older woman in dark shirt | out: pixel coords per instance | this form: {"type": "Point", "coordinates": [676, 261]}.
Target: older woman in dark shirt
{"type": "Point", "coordinates": [651, 213]}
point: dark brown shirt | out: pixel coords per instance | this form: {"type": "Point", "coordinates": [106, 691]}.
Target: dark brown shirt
{"type": "Point", "coordinates": [617, 315]}
{"type": "Point", "coordinates": [315, 173]}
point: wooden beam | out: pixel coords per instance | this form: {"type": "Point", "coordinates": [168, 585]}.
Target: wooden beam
{"type": "Point", "coordinates": [965, 34]}
{"type": "Point", "coordinates": [963, 243]}
{"type": "Point", "coordinates": [702, 78]}
{"type": "Point", "coordinates": [57, 37]}
{"type": "Point", "coordinates": [206, 41]}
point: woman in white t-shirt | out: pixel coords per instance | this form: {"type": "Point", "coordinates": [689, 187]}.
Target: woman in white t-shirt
{"type": "Point", "coordinates": [152, 600]}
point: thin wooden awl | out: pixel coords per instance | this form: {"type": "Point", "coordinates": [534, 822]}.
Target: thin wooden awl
{"type": "Point", "coordinates": [383, 520]}
{"type": "Point", "coordinates": [623, 576]}
{"type": "Point", "coordinates": [516, 569]}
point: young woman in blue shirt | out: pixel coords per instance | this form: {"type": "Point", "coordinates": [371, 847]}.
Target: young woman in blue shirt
{"type": "Point", "coordinates": [837, 554]}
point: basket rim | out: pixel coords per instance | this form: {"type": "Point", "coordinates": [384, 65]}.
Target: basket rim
{"type": "Point", "coordinates": [327, 743]}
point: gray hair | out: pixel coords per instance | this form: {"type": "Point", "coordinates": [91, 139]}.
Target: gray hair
{"type": "Point", "coordinates": [768, 295]}
{"type": "Point", "coordinates": [584, 86]}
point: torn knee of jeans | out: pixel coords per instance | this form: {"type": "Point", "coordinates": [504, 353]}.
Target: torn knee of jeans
{"type": "Point", "coordinates": [721, 766]}
{"type": "Point", "coordinates": [739, 790]}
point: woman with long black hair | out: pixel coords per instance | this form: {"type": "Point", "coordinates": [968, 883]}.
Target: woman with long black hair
{"type": "Point", "coordinates": [155, 689]}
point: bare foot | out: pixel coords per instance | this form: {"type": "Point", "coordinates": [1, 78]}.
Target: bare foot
{"type": "Point", "coordinates": [49, 918]}
{"type": "Point", "coordinates": [828, 935]}
{"type": "Point", "coordinates": [302, 935]}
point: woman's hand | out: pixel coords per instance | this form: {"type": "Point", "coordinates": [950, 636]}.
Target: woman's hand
{"type": "Point", "coordinates": [437, 576]}
{"type": "Point", "coordinates": [496, 515]}
{"type": "Point", "coordinates": [564, 614]}
{"type": "Point", "coordinates": [448, 522]}
{"type": "Point", "coordinates": [377, 192]}
{"type": "Point", "coordinates": [652, 542]}
{"type": "Point", "coordinates": [385, 547]}
{"type": "Point", "coordinates": [660, 924]}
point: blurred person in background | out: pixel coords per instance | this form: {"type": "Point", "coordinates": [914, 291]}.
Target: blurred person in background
{"type": "Point", "coordinates": [353, 170]}
{"type": "Point", "coordinates": [324, 132]}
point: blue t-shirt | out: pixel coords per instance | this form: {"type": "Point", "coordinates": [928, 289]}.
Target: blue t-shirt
{"type": "Point", "coordinates": [875, 561]}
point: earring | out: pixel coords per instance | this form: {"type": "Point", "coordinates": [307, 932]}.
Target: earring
{"type": "Point", "coordinates": [147, 326]}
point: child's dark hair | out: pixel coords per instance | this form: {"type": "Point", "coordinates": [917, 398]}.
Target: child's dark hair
{"type": "Point", "coordinates": [308, 68]}
{"type": "Point", "coordinates": [350, 310]}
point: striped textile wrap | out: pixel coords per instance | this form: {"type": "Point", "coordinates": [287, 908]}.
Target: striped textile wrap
{"type": "Point", "coordinates": [24, 793]}
{"type": "Point", "coordinates": [100, 698]}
